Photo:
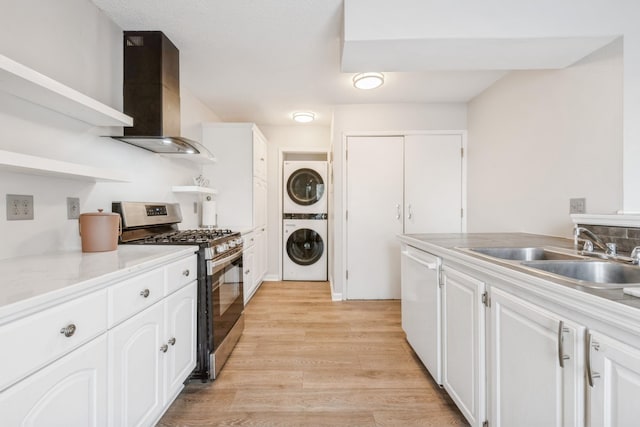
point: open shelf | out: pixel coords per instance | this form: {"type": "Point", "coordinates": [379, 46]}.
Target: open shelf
{"type": "Point", "coordinates": [28, 84]}
{"type": "Point", "coordinates": [24, 163]}
{"type": "Point", "coordinates": [193, 189]}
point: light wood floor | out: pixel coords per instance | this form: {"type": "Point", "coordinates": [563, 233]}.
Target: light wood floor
{"type": "Point", "coordinates": [304, 360]}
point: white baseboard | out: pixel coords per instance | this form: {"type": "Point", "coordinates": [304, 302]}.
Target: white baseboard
{"type": "Point", "coordinates": [271, 278]}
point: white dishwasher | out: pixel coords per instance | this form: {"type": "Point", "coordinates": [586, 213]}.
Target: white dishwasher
{"type": "Point", "coordinates": [421, 302]}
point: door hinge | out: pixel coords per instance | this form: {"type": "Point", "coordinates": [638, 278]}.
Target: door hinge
{"type": "Point", "coordinates": [346, 215]}
{"type": "Point", "coordinates": [461, 152]}
{"type": "Point", "coordinates": [461, 213]}
{"type": "Point", "coordinates": [346, 155]}
{"type": "Point", "coordinates": [346, 273]}
{"type": "Point", "coordinates": [485, 299]}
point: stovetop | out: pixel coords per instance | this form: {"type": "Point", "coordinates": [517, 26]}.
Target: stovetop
{"type": "Point", "coordinates": [190, 237]}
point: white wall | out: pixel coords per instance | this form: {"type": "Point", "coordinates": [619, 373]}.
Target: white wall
{"type": "Point", "coordinates": [538, 138]}
{"type": "Point", "coordinates": [302, 136]}
{"type": "Point", "coordinates": [371, 20]}
{"type": "Point", "coordinates": [376, 118]}
{"type": "Point", "coordinates": [73, 42]}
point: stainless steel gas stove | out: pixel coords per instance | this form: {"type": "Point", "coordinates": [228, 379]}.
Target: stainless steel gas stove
{"type": "Point", "coordinates": [220, 275]}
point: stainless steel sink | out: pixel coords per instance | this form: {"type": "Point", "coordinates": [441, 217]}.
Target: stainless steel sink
{"type": "Point", "coordinates": [525, 254]}
{"type": "Point", "coordinates": [591, 274]}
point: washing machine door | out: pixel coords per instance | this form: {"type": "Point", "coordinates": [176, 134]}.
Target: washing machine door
{"type": "Point", "coordinates": [305, 246]}
{"type": "Point", "coordinates": [305, 186]}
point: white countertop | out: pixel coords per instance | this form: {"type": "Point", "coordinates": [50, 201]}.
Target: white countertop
{"type": "Point", "coordinates": [31, 283]}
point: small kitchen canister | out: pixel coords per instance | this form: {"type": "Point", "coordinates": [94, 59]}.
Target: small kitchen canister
{"type": "Point", "coordinates": [99, 231]}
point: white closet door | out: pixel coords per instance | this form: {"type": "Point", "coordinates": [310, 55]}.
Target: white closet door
{"type": "Point", "coordinates": [433, 183]}
{"type": "Point", "coordinates": [374, 206]}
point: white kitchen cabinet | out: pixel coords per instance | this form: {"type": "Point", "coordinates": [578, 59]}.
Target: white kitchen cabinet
{"type": "Point", "coordinates": [241, 180]}
{"type": "Point", "coordinates": [241, 152]}
{"type": "Point", "coordinates": [248, 265]}
{"type": "Point", "coordinates": [181, 317]}
{"type": "Point", "coordinates": [135, 363]}
{"type": "Point", "coordinates": [463, 344]}
{"type": "Point", "coordinates": [421, 302]}
{"type": "Point", "coordinates": [71, 392]}
{"type": "Point", "coordinates": [395, 185]}
{"type": "Point", "coordinates": [536, 373]}
{"type": "Point", "coordinates": [614, 371]}
{"type": "Point", "coordinates": [150, 355]}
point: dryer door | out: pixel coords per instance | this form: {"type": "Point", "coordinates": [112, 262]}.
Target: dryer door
{"type": "Point", "coordinates": [305, 186]}
{"type": "Point", "coordinates": [305, 247]}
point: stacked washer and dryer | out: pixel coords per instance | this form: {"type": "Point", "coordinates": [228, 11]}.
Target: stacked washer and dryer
{"type": "Point", "coordinates": [304, 221]}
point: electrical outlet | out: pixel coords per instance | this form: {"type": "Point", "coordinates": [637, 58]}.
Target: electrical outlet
{"type": "Point", "coordinates": [73, 208]}
{"type": "Point", "coordinates": [578, 206]}
{"type": "Point", "coordinates": [19, 207]}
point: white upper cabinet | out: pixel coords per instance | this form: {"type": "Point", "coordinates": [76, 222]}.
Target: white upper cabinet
{"type": "Point", "coordinates": [241, 152]}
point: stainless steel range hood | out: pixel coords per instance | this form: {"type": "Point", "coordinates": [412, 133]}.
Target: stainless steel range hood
{"type": "Point", "coordinates": [152, 96]}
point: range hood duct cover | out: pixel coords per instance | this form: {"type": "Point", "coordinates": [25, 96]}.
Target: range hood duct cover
{"type": "Point", "coordinates": [151, 91]}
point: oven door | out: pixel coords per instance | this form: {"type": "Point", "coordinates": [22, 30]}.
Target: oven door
{"type": "Point", "coordinates": [227, 299]}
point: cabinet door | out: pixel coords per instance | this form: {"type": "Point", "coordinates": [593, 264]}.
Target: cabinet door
{"type": "Point", "coordinates": [259, 156]}
{"type": "Point", "coordinates": [259, 202]}
{"type": "Point", "coordinates": [463, 344]}
{"type": "Point", "coordinates": [374, 209]}
{"type": "Point", "coordinates": [248, 263]}
{"type": "Point", "coordinates": [181, 337]}
{"type": "Point", "coordinates": [537, 367]}
{"type": "Point", "coordinates": [259, 266]}
{"type": "Point", "coordinates": [136, 364]}
{"type": "Point", "coordinates": [433, 183]}
{"type": "Point", "coordinates": [421, 307]}
{"type": "Point", "coordinates": [71, 392]}
{"type": "Point", "coordinates": [615, 373]}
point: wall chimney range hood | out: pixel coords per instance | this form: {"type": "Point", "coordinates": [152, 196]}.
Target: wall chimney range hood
{"type": "Point", "coordinates": [151, 95]}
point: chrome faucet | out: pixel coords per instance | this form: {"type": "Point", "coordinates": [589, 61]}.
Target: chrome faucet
{"type": "Point", "coordinates": [595, 240]}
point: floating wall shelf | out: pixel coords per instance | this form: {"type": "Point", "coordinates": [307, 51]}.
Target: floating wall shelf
{"type": "Point", "coordinates": [28, 84]}
{"type": "Point", "coordinates": [193, 189]}
{"type": "Point", "coordinates": [24, 163]}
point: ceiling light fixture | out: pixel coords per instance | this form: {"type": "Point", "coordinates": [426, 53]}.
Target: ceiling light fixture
{"type": "Point", "coordinates": [368, 80]}
{"type": "Point", "coordinates": [304, 117]}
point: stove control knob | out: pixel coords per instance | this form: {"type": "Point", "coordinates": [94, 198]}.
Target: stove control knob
{"type": "Point", "coordinates": [221, 248]}
{"type": "Point", "coordinates": [239, 241]}
{"type": "Point", "coordinates": [232, 244]}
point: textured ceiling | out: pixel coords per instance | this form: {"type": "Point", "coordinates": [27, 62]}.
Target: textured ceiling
{"type": "Point", "coordinates": [260, 60]}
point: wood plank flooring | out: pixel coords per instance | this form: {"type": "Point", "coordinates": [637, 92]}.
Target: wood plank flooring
{"type": "Point", "coordinates": [305, 360]}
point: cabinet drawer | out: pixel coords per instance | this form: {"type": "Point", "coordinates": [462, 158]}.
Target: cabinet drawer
{"type": "Point", "coordinates": [32, 342]}
{"type": "Point", "coordinates": [134, 295]}
{"type": "Point", "coordinates": [181, 273]}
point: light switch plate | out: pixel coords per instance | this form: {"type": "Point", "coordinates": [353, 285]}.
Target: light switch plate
{"type": "Point", "coordinates": [19, 207]}
{"type": "Point", "coordinates": [578, 206]}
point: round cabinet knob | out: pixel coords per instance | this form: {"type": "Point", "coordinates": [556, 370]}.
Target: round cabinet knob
{"type": "Point", "coordinates": [172, 341]}
{"type": "Point", "coordinates": [68, 330]}
{"type": "Point", "coordinates": [186, 273]}
{"type": "Point", "coordinates": [164, 348]}
{"type": "Point", "coordinates": [145, 293]}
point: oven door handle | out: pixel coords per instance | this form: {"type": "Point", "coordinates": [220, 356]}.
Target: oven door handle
{"type": "Point", "coordinates": [217, 265]}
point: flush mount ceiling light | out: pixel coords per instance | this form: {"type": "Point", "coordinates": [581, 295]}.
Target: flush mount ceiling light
{"type": "Point", "coordinates": [304, 117]}
{"type": "Point", "coordinates": [368, 80]}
